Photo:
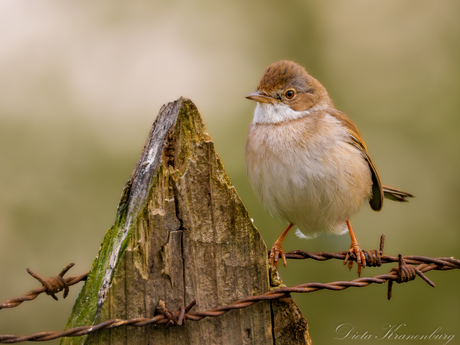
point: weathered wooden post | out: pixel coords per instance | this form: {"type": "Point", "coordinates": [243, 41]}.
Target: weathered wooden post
{"type": "Point", "coordinates": [182, 233]}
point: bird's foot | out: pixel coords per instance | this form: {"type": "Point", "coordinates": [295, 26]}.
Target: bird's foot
{"type": "Point", "coordinates": [277, 252]}
{"type": "Point", "coordinates": [355, 251]}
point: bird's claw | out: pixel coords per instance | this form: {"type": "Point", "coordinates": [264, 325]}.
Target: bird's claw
{"type": "Point", "coordinates": [277, 252]}
{"type": "Point", "coordinates": [357, 252]}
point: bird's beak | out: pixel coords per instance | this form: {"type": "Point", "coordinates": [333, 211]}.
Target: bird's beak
{"type": "Point", "coordinates": [261, 97]}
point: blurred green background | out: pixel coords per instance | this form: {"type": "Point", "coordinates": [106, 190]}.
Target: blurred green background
{"type": "Point", "coordinates": [81, 84]}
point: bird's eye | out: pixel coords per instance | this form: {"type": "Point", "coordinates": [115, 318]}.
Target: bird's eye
{"type": "Point", "coordinates": [290, 94]}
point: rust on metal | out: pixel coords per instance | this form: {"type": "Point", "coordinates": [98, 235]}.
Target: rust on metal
{"type": "Point", "coordinates": [174, 318]}
{"type": "Point", "coordinates": [56, 284]}
{"type": "Point", "coordinates": [408, 268]}
{"type": "Point", "coordinates": [50, 286]}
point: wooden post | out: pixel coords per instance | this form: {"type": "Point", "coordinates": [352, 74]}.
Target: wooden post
{"type": "Point", "coordinates": [183, 233]}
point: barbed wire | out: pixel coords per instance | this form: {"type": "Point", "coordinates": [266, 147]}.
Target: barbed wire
{"type": "Point", "coordinates": [50, 286]}
{"type": "Point", "coordinates": [374, 258]}
{"type": "Point", "coordinates": [408, 268]}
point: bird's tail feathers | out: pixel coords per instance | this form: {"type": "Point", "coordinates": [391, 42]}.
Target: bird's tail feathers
{"type": "Point", "coordinates": [395, 194]}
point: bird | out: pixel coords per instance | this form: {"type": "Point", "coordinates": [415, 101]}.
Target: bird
{"type": "Point", "coordinates": [307, 161]}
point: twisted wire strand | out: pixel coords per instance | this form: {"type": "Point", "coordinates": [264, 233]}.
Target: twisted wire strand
{"type": "Point", "coordinates": [424, 265]}
{"type": "Point", "coordinates": [33, 294]}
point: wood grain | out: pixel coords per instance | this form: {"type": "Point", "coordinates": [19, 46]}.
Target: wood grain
{"type": "Point", "coordinates": [183, 233]}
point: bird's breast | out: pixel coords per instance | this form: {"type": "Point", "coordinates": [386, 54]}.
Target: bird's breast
{"type": "Point", "coordinates": [305, 171]}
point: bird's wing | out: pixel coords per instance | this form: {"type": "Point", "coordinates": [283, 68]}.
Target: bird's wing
{"type": "Point", "coordinates": [376, 200]}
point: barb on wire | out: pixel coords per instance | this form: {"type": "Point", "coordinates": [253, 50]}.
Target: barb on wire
{"type": "Point", "coordinates": [50, 286]}
{"type": "Point", "coordinates": [173, 318]}
{"type": "Point", "coordinates": [54, 284]}
{"type": "Point", "coordinates": [406, 273]}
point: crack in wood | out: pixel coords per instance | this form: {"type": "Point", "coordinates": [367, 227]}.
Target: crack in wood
{"type": "Point", "coordinates": [188, 236]}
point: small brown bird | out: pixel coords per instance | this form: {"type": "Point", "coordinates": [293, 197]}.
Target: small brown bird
{"type": "Point", "coordinates": [307, 162]}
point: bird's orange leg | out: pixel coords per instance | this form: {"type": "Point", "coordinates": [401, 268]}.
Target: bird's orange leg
{"type": "Point", "coordinates": [277, 251]}
{"type": "Point", "coordinates": [356, 250]}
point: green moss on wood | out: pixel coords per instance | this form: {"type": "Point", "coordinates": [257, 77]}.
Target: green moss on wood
{"type": "Point", "coordinates": [181, 233]}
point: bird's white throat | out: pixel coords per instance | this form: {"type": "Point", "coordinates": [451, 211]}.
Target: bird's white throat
{"type": "Point", "coordinates": [280, 112]}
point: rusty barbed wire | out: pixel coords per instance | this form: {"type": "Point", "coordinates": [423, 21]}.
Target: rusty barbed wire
{"type": "Point", "coordinates": [50, 286]}
{"type": "Point", "coordinates": [374, 258]}
{"type": "Point", "coordinates": [400, 274]}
